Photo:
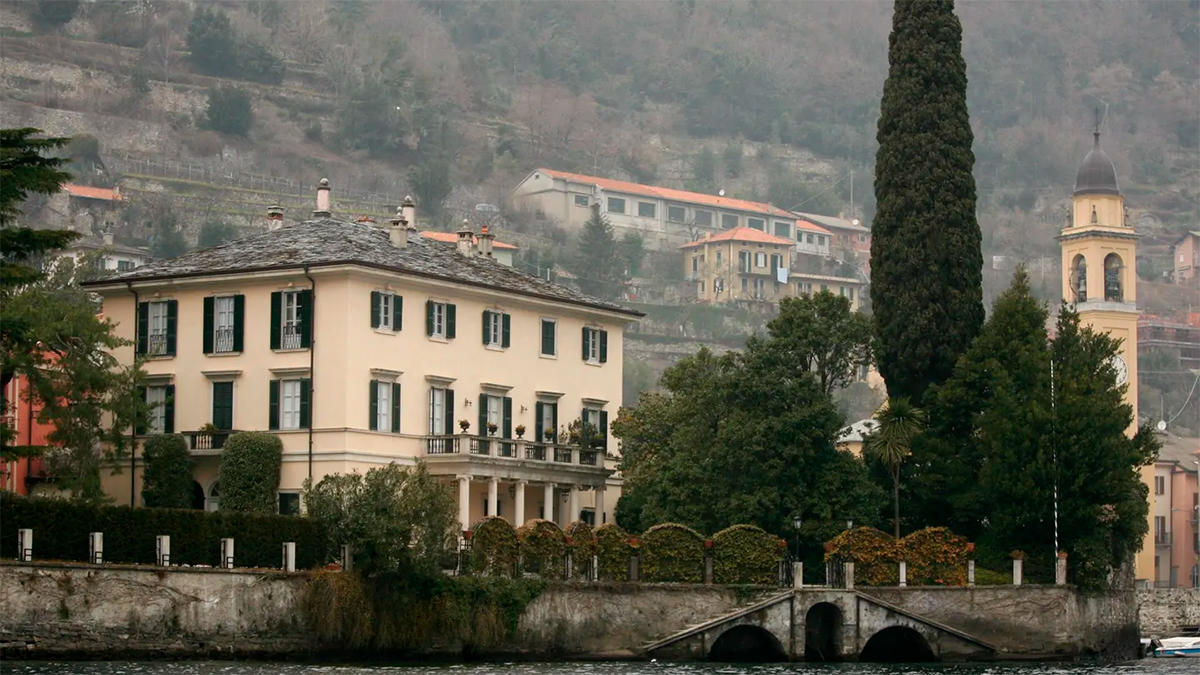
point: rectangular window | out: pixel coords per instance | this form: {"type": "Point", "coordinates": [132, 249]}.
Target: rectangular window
{"type": "Point", "coordinates": [810, 237]}
{"type": "Point", "coordinates": [824, 288]}
{"type": "Point", "coordinates": [695, 264]}
{"type": "Point", "coordinates": [224, 317]}
{"type": "Point", "coordinates": [1160, 485]}
{"type": "Point", "coordinates": [156, 398]}
{"type": "Point", "coordinates": [616, 205]}
{"type": "Point", "coordinates": [704, 218]}
{"type": "Point", "coordinates": [441, 411]}
{"type": "Point", "coordinates": [718, 257]}
{"type": "Point", "coordinates": [756, 223]}
{"type": "Point", "coordinates": [125, 265]}
{"type": "Point", "coordinates": [291, 320]}
{"type": "Point", "coordinates": [647, 209]}
{"type": "Point", "coordinates": [290, 399]}
{"type": "Point", "coordinates": [595, 345]}
{"type": "Point", "coordinates": [760, 259]}
{"type": "Point", "coordinates": [290, 404]}
{"type": "Point", "coordinates": [676, 214]}
{"type": "Point", "coordinates": [546, 416]}
{"type": "Point", "coordinates": [496, 329]}
{"type": "Point", "coordinates": [289, 503]}
{"type": "Point", "coordinates": [588, 516]}
{"type": "Point", "coordinates": [776, 261]}
{"type": "Point", "coordinates": [223, 324]}
{"type": "Point", "coordinates": [759, 289]}
{"type": "Point", "coordinates": [582, 200]}
{"type": "Point", "coordinates": [783, 230]}
{"type": "Point", "coordinates": [820, 240]}
{"type": "Point", "coordinates": [549, 346]}
{"type": "Point", "coordinates": [160, 328]}
{"type": "Point", "coordinates": [383, 405]}
{"type": "Point", "coordinates": [701, 288]}
{"type": "Point", "coordinates": [728, 221]}
{"type": "Point", "coordinates": [744, 262]}
{"type": "Point", "coordinates": [386, 310]}
{"type": "Point", "coordinates": [744, 284]}
{"type": "Point", "coordinates": [597, 419]}
{"type": "Point", "coordinates": [850, 293]}
{"type": "Point", "coordinates": [495, 412]}
{"type": "Point", "coordinates": [440, 319]}
{"type": "Point", "coordinates": [222, 405]}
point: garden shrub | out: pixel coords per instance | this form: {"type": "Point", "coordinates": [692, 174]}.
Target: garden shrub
{"type": "Point", "coordinates": [613, 550]}
{"type": "Point", "coordinates": [543, 548]}
{"type": "Point", "coordinates": [746, 554]}
{"type": "Point", "coordinates": [935, 555]}
{"type": "Point", "coordinates": [61, 529]}
{"type": "Point", "coordinates": [494, 547]}
{"type": "Point", "coordinates": [581, 541]}
{"type": "Point", "coordinates": [167, 481]}
{"type": "Point", "coordinates": [875, 555]}
{"type": "Point", "coordinates": [672, 552]}
{"type": "Point", "coordinates": [250, 472]}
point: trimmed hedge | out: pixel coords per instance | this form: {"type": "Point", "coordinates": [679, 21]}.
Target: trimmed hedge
{"type": "Point", "coordinates": [746, 554]}
{"type": "Point", "coordinates": [582, 543]}
{"type": "Point", "coordinates": [874, 553]}
{"type": "Point", "coordinates": [935, 555]}
{"type": "Point", "coordinates": [61, 528]}
{"type": "Point", "coordinates": [167, 482]}
{"type": "Point", "coordinates": [672, 552]}
{"type": "Point", "coordinates": [250, 472]}
{"type": "Point", "coordinates": [494, 547]}
{"type": "Point", "coordinates": [543, 549]}
{"type": "Point", "coordinates": [613, 549]}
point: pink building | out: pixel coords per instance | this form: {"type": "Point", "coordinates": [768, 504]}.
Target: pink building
{"type": "Point", "coordinates": [1176, 509]}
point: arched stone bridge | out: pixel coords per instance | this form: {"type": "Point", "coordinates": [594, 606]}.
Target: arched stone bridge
{"type": "Point", "coordinates": [822, 625]}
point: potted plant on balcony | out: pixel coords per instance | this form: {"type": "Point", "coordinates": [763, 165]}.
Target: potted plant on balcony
{"type": "Point", "coordinates": [492, 427]}
{"type": "Point", "coordinates": [464, 425]}
{"type": "Point", "coordinates": [208, 429]}
{"type": "Point", "coordinates": [548, 434]}
{"type": "Point", "coordinates": [520, 431]}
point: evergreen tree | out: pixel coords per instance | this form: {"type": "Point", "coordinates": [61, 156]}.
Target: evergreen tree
{"type": "Point", "coordinates": [598, 264]}
{"type": "Point", "coordinates": [229, 111]}
{"type": "Point", "coordinates": [926, 261]}
{"type": "Point", "coordinates": [167, 481]}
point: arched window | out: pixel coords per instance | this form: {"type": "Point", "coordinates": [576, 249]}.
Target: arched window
{"type": "Point", "coordinates": [214, 496]}
{"type": "Point", "coordinates": [1079, 279]}
{"type": "Point", "coordinates": [1095, 218]}
{"type": "Point", "coordinates": [1113, 291]}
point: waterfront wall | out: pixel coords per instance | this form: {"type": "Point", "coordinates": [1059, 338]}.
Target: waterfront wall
{"type": "Point", "coordinates": [1164, 612]}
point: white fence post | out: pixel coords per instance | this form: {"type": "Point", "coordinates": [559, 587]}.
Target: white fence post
{"type": "Point", "coordinates": [96, 548]}
{"type": "Point", "coordinates": [227, 553]}
{"type": "Point", "coordinates": [162, 550]}
{"type": "Point", "coordinates": [25, 545]}
{"type": "Point", "coordinates": [289, 556]}
{"type": "Point", "coordinates": [903, 573]}
{"type": "Point", "coordinates": [1018, 569]}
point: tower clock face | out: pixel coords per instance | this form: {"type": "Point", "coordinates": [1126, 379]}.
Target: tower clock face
{"type": "Point", "coordinates": [1118, 364]}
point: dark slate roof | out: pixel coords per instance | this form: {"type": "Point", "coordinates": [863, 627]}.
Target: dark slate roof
{"type": "Point", "coordinates": [326, 241]}
{"type": "Point", "coordinates": [1097, 175]}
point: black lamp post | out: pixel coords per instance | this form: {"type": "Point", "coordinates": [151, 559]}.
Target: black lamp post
{"type": "Point", "coordinates": [797, 522]}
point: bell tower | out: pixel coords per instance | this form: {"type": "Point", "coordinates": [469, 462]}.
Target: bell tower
{"type": "Point", "coordinates": [1099, 275]}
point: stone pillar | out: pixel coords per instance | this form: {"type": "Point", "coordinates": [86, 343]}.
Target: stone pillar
{"type": "Point", "coordinates": [519, 510]}
{"type": "Point", "coordinates": [548, 498]}
{"type": "Point", "coordinates": [849, 576]}
{"type": "Point", "coordinates": [903, 573]}
{"type": "Point", "coordinates": [493, 496]}
{"type": "Point", "coordinates": [464, 503]}
{"type": "Point", "coordinates": [600, 518]}
{"type": "Point", "coordinates": [227, 553]}
{"type": "Point", "coordinates": [96, 548]}
{"type": "Point", "coordinates": [572, 506]}
{"type": "Point", "coordinates": [797, 575]}
{"type": "Point", "coordinates": [1018, 568]}
{"type": "Point", "coordinates": [970, 572]}
{"type": "Point", "coordinates": [708, 568]}
{"type": "Point", "coordinates": [162, 550]}
{"type": "Point", "coordinates": [1060, 570]}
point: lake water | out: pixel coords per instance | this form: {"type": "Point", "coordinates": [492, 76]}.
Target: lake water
{"type": "Point", "coordinates": [1146, 667]}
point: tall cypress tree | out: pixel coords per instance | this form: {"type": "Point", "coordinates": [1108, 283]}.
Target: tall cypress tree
{"type": "Point", "coordinates": [926, 262]}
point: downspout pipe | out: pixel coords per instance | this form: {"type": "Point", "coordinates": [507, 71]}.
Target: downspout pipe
{"type": "Point", "coordinates": [312, 373]}
{"type": "Point", "coordinates": [137, 303]}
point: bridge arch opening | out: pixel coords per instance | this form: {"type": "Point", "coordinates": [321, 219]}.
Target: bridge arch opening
{"type": "Point", "coordinates": [747, 644]}
{"type": "Point", "coordinates": [823, 633]}
{"type": "Point", "coordinates": [897, 644]}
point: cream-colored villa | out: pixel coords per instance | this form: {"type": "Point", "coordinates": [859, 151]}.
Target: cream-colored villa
{"type": "Point", "coordinates": [360, 345]}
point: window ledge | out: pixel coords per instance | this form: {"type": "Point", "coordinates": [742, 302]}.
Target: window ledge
{"type": "Point", "coordinates": [290, 351]}
{"type": "Point", "coordinates": [386, 331]}
{"type": "Point", "coordinates": [439, 338]}
{"type": "Point", "coordinates": [159, 357]}
{"type": "Point", "coordinates": [224, 354]}
{"type": "Point", "coordinates": [551, 357]}
{"type": "Point", "coordinates": [590, 362]}
{"type": "Point", "coordinates": [495, 348]}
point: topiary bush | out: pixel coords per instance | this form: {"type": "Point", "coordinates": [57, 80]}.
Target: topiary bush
{"type": "Point", "coordinates": [581, 541]}
{"type": "Point", "coordinates": [167, 479]}
{"type": "Point", "coordinates": [875, 555]}
{"type": "Point", "coordinates": [543, 548]}
{"type": "Point", "coordinates": [672, 552]}
{"type": "Point", "coordinates": [935, 555]}
{"type": "Point", "coordinates": [746, 554]}
{"type": "Point", "coordinates": [250, 472]}
{"type": "Point", "coordinates": [494, 547]}
{"type": "Point", "coordinates": [613, 551]}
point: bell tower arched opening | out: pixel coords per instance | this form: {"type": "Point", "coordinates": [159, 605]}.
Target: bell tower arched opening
{"type": "Point", "coordinates": [1078, 278]}
{"type": "Point", "coordinates": [1114, 286]}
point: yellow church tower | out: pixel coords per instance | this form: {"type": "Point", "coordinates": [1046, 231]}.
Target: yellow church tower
{"type": "Point", "coordinates": [1099, 268]}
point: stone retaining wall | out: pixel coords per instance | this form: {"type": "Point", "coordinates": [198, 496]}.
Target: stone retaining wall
{"type": "Point", "coordinates": [1164, 612]}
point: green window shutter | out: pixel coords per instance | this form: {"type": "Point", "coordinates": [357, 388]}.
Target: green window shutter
{"type": "Point", "coordinates": [222, 412]}
{"type": "Point", "coordinates": [449, 412]}
{"type": "Point", "coordinates": [143, 328]}
{"type": "Point", "coordinates": [239, 322]}
{"type": "Point", "coordinates": [506, 428]}
{"type": "Point", "coordinates": [586, 343]}
{"type": "Point", "coordinates": [208, 324]}
{"type": "Point", "coordinates": [548, 338]}
{"type": "Point", "coordinates": [481, 430]}
{"type": "Point", "coordinates": [276, 323]}
{"type": "Point", "coordinates": [169, 410]}
{"type": "Point", "coordinates": [305, 403]}
{"type": "Point", "coordinates": [486, 321]}
{"type": "Point", "coordinates": [429, 317]}
{"type": "Point", "coordinates": [373, 424]}
{"type": "Point", "coordinates": [306, 318]}
{"type": "Point", "coordinates": [375, 303]}
{"type": "Point", "coordinates": [506, 329]}
{"type": "Point", "coordinates": [554, 418]}
{"type": "Point", "coordinates": [539, 428]}
{"type": "Point", "coordinates": [273, 422]}
{"type": "Point", "coordinates": [172, 324]}
{"type": "Point", "coordinates": [398, 312]}
{"type": "Point", "coordinates": [604, 429]}
{"type": "Point", "coordinates": [140, 427]}
{"type": "Point", "coordinates": [603, 346]}
{"type": "Point", "coordinates": [450, 312]}
{"type": "Point", "coordinates": [395, 407]}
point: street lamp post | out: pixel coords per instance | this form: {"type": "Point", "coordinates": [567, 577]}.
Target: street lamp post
{"type": "Point", "coordinates": [797, 522]}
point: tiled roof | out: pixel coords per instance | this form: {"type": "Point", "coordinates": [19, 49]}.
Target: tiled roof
{"type": "Point", "coordinates": [96, 243]}
{"type": "Point", "coordinates": [452, 238]}
{"type": "Point", "coordinates": [93, 192]}
{"type": "Point", "coordinates": [830, 221]}
{"type": "Point", "coordinates": [747, 234]}
{"type": "Point", "coordinates": [1179, 450]}
{"type": "Point", "coordinates": [326, 242]}
{"type": "Point", "coordinates": [810, 227]}
{"type": "Point", "coordinates": [670, 194]}
{"type": "Point", "coordinates": [857, 432]}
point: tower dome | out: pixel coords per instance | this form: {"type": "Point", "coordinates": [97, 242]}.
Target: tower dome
{"type": "Point", "coordinates": [1097, 175]}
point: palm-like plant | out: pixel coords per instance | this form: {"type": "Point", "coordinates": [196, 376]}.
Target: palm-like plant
{"type": "Point", "coordinates": [897, 422]}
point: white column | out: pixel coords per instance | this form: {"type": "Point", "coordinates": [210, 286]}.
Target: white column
{"type": "Point", "coordinates": [600, 505]}
{"type": "Point", "coordinates": [464, 502]}
{"type": "Point", "coordinates": [519, 511]}
{"type": "Point", "coordinates": [549, 500]}
{"type": "Point", "coordinates": [493, 496]}
{"type": "Point", "coordinates": [573, 505]}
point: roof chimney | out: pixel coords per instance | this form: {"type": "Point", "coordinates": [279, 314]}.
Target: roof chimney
{"type": "Point", "coordinates": [398, 232]}
{"type": "Point", "coordinates": [108, 238]}
{"type": "Point", "coordinates": [485, 242]}
{"type": "Point", "coordinates": [322, 200]}
{"type": "Point", "coordinates": [410, 212]}
{"type": "Point", "coordinates": [274, 217]}
{"type": "Point", "coordinates": [465, 237]}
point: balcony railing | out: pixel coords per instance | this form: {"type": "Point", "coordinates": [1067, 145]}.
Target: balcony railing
{"type": "Point", "coordinates": [441, 445]}
{"type": "Point", "coordinates": [514, 449]}
{"type": "Point", "coordinates": [208, 440]}
{"type": "Point", "coordinates": [223, 340]}
{"type": "Point", "coordinates": [562, 455]}
{"type": "Point", "coordinates": [291, 337]}
{"type": "Point", "coordinates": [535, 452]}
{"type": "Point", "coordinates": [1162, 539]}
{"type": "Point", "coordinates": [157, 344]}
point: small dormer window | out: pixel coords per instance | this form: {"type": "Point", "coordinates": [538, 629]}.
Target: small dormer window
{"type": "Point", "coordinates": [1095, 219]}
